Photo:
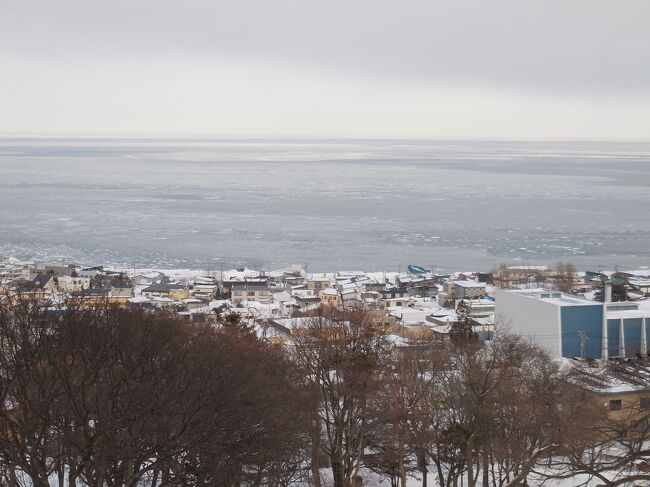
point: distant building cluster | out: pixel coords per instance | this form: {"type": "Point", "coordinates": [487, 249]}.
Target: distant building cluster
{"type": "Point", "coordinates": [575, 316]}
{"type": "Point", "coordinates": [556, 308]}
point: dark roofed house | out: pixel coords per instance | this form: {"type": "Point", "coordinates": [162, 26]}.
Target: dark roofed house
{"type": "Point", "coordinates": [45, 282]}
{"type": "Point", "coordinates": [305, 302]}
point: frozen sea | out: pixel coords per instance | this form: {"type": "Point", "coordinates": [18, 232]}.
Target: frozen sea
{"type": "Point", "coordinates": [331, 204]}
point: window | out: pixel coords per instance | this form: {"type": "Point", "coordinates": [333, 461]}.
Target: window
{"type": "Point", "coordinates": [645, 403]}
{"type": "Point", "coordinates": [615, 405]}
{"type": "Point", "coordinates": [251, 293]}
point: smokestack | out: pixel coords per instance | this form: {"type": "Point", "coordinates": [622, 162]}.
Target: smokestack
{"type": "Point", "coordinates": [604, 354]}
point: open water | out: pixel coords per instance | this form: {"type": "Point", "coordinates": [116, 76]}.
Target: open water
{"type": "Point", "coordinates": [330, 204]}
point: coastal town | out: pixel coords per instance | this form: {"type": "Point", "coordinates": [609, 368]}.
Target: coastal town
{"type": "Point", "coordinates": [574, 315]}
{"type": "Point", "coordinates": [533, 363]}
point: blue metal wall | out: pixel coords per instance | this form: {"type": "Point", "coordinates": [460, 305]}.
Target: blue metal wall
{"type": "Point", "coordinates": [612, 337]}
{"type": "Point", "coordinates": [632, 336]}
{"type": "Point", "coordinates": [585, 318]}
{"type": "Point", "coordinates": [632, 327]}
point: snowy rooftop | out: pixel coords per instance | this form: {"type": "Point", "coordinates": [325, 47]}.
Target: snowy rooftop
{"type": "Point", "coordinates": [469, 284]}
{"type": "Point", "coordinates": [553, 297]}
{"type": "Point", "coordinates": [612, 377]}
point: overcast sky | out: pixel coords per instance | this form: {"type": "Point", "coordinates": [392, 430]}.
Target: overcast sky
{"type": "Point", "coordinates": [462, 69]}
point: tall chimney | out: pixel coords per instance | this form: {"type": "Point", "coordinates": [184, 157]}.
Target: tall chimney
{"type": "Point", "coordinates": [605, 342]}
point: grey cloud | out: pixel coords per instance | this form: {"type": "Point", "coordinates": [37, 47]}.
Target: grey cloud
{"type": "Point", "coordinates": [559, 47]}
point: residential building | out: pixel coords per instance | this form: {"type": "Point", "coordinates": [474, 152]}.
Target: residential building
{"type": "Point", "coordinates": [317, 283]}
{"type": "Point", "coordinates": [73, 284]}
{"type": "Point", "coordinates": [253, 289]}
{"type": "Point", "coordinates": [467, 289]}
{"type": "Point", "coordinates": [175, 292]}
{"type": "Point", "coordinates": [330, 296]}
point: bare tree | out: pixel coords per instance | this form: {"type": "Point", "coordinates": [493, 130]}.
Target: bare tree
{"type": "Point", "coordinates": [565, 276]}
{"type": "Point", "coordinates": [341, 352]}
{"type": "Point", "coordinates": [121, 397]}
{"type": "Point", "coordinates": [401, 432]}
{"type": "Point", "coordinates": [28, 439]}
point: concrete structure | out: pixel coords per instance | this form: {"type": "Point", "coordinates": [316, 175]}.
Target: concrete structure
{"type": "Point", "coordinates": [250, 290]}
{"type": "Point", "coordinates": [467, 289]}
{"type": "Point", "coordinates": [70, 284]}
{"type": "Point", "coordinates": [317, 283]}
{"type": "Point", "coordinates": [568, 326]}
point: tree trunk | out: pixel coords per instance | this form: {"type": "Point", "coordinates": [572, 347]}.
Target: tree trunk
{"type": "Point", "coordinates": [13, 479]}
{"type": "Point", "coordinates": [315, 450]}
{"type": "Point", "coordinates": [486, 472]}
{"type": "Point", "coordinates": [470, 471]}
{"type": "Point", "coordinates": [61, 473]}
{"type": "Point", "coordinates": [402, 469]}
{"type": "Point", "coordinates": [337, 473]}
{"type": "Point", "coordinates": [422, 465]}
{"type": "Point", "coordinates": [154, 479]}
{"type": "Point", "coordinates": [72, 473]}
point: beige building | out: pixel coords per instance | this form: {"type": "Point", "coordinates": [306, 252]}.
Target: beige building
{"type": "Point", "coordinates": [317, 284]}
{"type": "Point", "coordinates": [250, 290]}
{"type": "Point", "coordinates": [177, 292]}
{"type": "Point", "coordinates": [330, 297]}
{"type": "Point", "coordinates": [72, 284]}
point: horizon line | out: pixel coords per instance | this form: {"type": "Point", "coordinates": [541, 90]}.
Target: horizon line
{"type": "Point", "coordinates": [317, 137]}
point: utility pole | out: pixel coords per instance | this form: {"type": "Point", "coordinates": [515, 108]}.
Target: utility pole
{"type": "Point", "coordinates": [582, 336]}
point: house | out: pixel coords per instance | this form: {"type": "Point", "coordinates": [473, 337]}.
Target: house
{"type": "Point", "coordinates": [394, 292]}
{"type": "Point", "coordinates": [73, 284]}
{"type": "Point", "coordinates": [59, 269]}
{"type": "Point", "coordinates": [149, 278]}
{"type": "Point", "coordinates": [619, 388]}
{"type": "Point", "coordinates": [305, 302]}
{"type": "Point", "coordinates": [205, 289]}
{"type": "Point", "coordinates": [90, 271]}
{"type": "Point", "coordinates": [480, 308]}
{"type": "Point", "coordinates": [330, 297]}
{"type": "Point", "coordinates": [424, 287]}
{"type": "Point", "coordinates": [174, 292]}
{"type": "Point", "coordinates": [397, 302]}
{"type": "Point", "coordinates": [252, 289]}
{"type": "Point", "coordinates": [293, 281]}
{"type": "Point", "coordinates": [467, 289]}
{"type": "Point", "coordinates": [641, 285]}
{"type": "Point", "coordinates": [317, 284]}
{"type": "Point", "coordinates": [121, 291]}
{"type": "Point", "coordinates": [521, 275]}
{"type": "Point", "coordinates": [45, 282]}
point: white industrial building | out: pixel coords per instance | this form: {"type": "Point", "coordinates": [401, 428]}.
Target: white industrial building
{"type": "Point", "coordinates": [569, 326]}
